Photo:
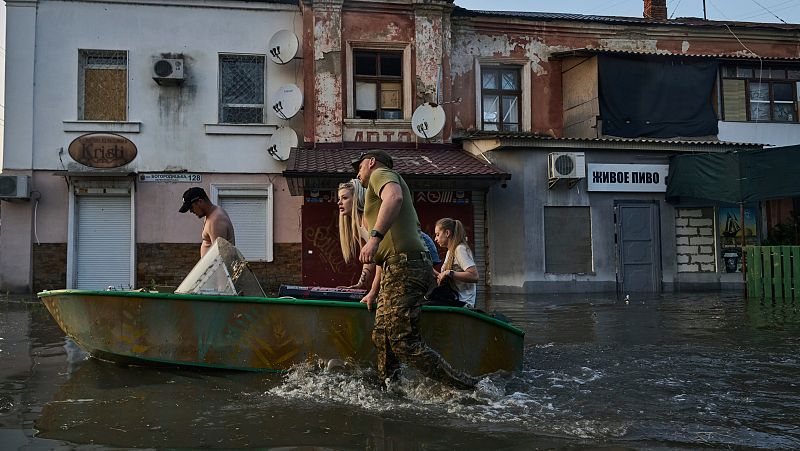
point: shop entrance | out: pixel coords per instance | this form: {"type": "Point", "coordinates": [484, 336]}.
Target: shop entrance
{"type": "Point", "coordinates": [638, 247]}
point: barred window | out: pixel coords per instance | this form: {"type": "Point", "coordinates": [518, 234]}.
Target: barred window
{"type": "Point", "coordinates": [102, 85]}
{"type": "Point", "coordinates": [241, 89]}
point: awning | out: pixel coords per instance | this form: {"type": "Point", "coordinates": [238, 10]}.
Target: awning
{"type": "Point", "coordinates": [429, 169]}
{"type": "Point", "coordinates": [739, 176]}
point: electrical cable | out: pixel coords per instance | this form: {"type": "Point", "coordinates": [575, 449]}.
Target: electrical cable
{"type": "Point", "coordinates": [675, 9]}
{"type": "Point", "coordinates": [767, 9]}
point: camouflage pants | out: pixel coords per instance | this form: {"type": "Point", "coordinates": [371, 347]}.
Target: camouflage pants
{"type": "Point", "coordinates": [396, 334]}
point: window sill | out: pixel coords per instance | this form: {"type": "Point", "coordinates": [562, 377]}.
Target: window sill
{"type": "Point", "coordinates": [392, 123]}
{"type": "Point", "coordinates": [240, 129]}
{"type": "Point", "coordinates": [102, 126]}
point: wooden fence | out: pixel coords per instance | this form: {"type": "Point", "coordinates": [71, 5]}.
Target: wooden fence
{"type": "Point", "coordinates": [773, 272]}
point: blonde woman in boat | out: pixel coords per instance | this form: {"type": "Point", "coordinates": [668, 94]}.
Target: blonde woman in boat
{"type": "Point", "coordinates": [353, 234]}
{"type": "Point", "coordinates": [459, 264]}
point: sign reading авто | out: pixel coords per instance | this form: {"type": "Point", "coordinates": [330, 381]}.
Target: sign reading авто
{"type": "Point", "coordinates": [169, 177]}
{"type": "Point", "coordinates": [650, 178]}
{"type": "Point", "coordinates": [102, 150]}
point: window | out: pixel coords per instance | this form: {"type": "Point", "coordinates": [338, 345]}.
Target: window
{"type": "Point", "coordinates": [241, 89]}
{"type": "Point", "coordinates": [760, 94]}
{"type": "Point", "coordinates": [500, 94]}
{"type": "Point", "coordinates": [567, 240]}
{"type": "Point", "coordinates": [102, 85]}
{"type": "Point", "coordinates": [250, 210]}
{"type": "Point", "coordinates": [378, 80]}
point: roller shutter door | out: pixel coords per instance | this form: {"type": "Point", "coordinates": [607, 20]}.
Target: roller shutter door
{"type": "Point", "coordinates": [103, 242]}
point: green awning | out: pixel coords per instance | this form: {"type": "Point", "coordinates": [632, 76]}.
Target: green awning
{"type": "Point", "coordinates": [738, 176]}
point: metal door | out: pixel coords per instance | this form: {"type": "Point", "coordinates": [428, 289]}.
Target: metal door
{"type": "Point", "coordinates": [638, 247]}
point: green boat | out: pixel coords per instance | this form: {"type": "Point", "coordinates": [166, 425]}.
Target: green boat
{"type": "Point", "coordinates": [257, 333]}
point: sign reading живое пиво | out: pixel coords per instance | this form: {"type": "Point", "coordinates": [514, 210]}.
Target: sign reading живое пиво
{"type": "Point", "coordinates": [102, 150]}
{"type": "Point", "coordinates": [628, 177]}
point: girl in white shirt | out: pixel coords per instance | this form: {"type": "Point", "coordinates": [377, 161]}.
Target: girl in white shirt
{"type": "Point", "coordinates": [459, 264]}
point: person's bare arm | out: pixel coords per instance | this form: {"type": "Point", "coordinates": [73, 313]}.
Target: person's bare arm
{"type": "Point", "coordinates": [372, 296]}
{"type": "Point", "coordinates": [363, 279]}
{"type": "Point", "coordinates": [469, 275]}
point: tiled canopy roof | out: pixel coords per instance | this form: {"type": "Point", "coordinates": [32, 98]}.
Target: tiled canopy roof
{"type": "Point", "coordinates": [428, 169]}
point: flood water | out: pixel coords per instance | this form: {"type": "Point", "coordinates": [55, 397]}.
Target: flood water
{"type": "Point", "coordinates": [667, 372]}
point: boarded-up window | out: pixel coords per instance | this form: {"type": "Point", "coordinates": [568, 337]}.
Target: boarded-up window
{"type": "Point", "coordinates": [734, 100]}
{"type": "Point", "coordinates": [103, 85]}
{"type": "Point", "coordinates": [568, 240]}
{"type": "Point", "coordinates": [241, 89]}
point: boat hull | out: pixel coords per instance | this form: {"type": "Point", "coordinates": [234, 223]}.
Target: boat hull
{"type": "Point", "coordinates": [264, 334]}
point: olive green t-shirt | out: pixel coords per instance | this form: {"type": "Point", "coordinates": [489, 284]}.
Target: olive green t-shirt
{"type": "Point", "coordinates": [403, 235]}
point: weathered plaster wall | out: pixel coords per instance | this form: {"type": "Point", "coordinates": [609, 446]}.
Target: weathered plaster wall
{"type": "Point", "coordinates": [327, 112]}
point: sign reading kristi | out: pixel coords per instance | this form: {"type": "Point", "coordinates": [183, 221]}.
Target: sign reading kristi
{"type": "Point", "coordinates": [102, 150]}
{"type": "Point", "coordinates": [650, 178]}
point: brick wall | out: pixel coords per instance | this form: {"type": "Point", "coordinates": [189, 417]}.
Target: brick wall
{"type": "Point", "coordinates": [49, 266]}
{"type": "Point", "coordinates": [694, 236]}
{"type": "Point", "coordinates": [165, 265]}
{"type": "Point", "coordinates": [284, 269]}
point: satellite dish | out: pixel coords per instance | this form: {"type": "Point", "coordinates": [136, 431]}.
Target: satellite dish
{"type": "Point", "coordinates": [428, 120]}
{"type": "Point", "coordinates": [283, 46]}
{"type": "Point", "coordinates": [281, 142]}
{"type": "Point", "coordinates": [287, 101]}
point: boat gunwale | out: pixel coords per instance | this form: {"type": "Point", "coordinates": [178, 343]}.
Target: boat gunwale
{"type": "Point", "coordinates": [267, 300]}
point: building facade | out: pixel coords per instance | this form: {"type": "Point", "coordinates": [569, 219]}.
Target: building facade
{"type": "Point", "coordinates": [84, 87]}
{"type": "Point", "coordinates": [554, 150]}
{"type": "Point", "coordinates": [584, 112]}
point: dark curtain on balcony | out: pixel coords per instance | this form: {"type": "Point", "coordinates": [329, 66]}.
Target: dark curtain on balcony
{"type": "Point", "coordinates": [657, 97]}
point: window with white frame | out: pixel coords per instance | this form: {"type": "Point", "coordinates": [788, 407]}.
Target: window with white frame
{"type": "Point", "coordinates": [501, 93]}
{"type": "Point", "coordinates": [241, 89]}
{"type": "Point", "coordinates": [102, 85]}
{"type": "Point", "coordinates": [250, 210]}
{"type": "Point", "coordinates": [378, 80]}
{"type": "Point", "coordinates": [760, 93]}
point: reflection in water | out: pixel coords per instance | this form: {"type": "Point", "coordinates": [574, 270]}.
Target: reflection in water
{"type": "Point", "coordinates": [666, 371]}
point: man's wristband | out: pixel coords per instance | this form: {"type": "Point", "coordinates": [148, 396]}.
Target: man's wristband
{"type": "Point", "coordinates": [376, 234]}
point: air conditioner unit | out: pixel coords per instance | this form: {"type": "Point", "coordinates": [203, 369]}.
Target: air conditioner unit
{"type": "Point", "coordinates": [566, 165]}
{"type": "Point", "coordinates": [14, 187]}
{"type": "Point", "coordinates": [168, 70]}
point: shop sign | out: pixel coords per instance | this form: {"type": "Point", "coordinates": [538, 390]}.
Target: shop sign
{"type": "Point", "coordinates": [102, 150]}
{"type": "Point", "coordinates": [650, 178]}
{"type": "Point", "coordinates": [167, 177]}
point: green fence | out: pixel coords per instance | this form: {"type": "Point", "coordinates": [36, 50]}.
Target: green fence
{"type": "Point", "coordinates": [773, 272]}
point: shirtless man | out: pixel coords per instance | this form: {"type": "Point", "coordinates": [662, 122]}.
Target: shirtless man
{"type": "Point", "coordinates": [217, 223]}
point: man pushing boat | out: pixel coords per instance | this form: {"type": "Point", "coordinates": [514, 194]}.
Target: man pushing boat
{"type": "Point", "coordinates": [217, 223]}
{"type": "Point", "coordinates": [395, 245]}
